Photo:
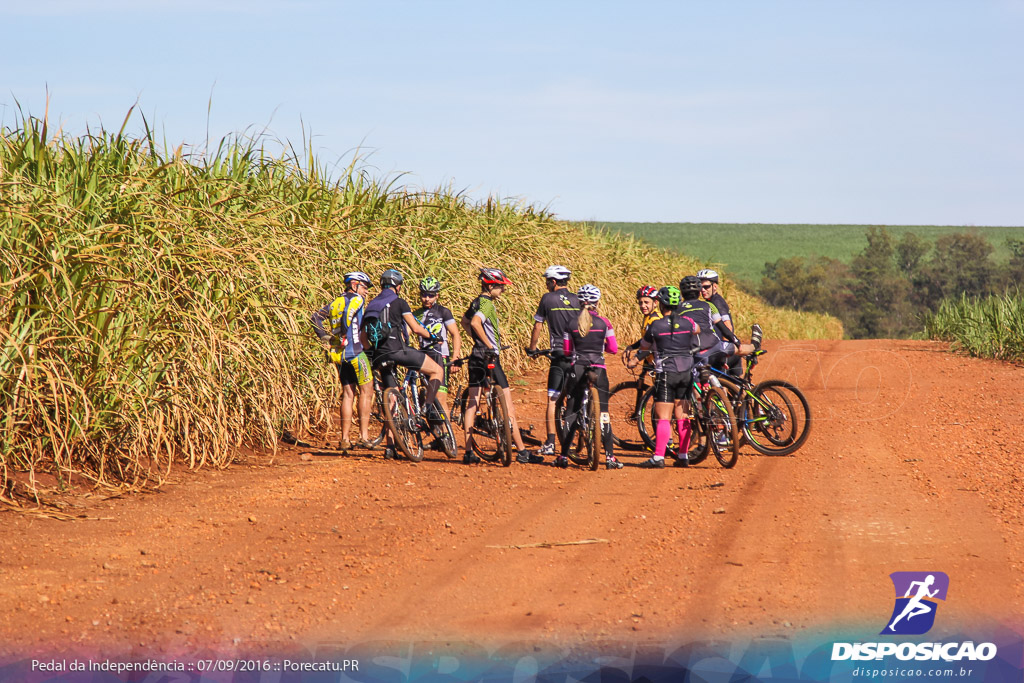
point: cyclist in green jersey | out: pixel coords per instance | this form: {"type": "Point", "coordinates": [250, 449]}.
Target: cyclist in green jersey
{"type": "Point", "coordinates": [481, 322]}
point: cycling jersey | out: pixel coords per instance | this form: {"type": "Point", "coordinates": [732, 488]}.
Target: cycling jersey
{"type": "Point", "coordinates": [590, 347]}
{"type": "Point", "coordinates": [345, 315]}
{"type": "Point", "coordinates": [483, 308]}
{"type": "Point", "coordinates": [648, 319]}
{"type": "Point", "coordinates": [559, 309]}
{"type": "Point", "coordinates": [436, 320]}
{"type": "Point", "coordinates": [674, 340]}
{"type": "Point", "coordinates": [723, 310]}
{"type": "Point", "coordinates": [704, 314]}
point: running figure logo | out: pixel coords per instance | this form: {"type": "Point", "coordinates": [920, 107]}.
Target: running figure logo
{"type": "Point", "coordinates": [916, 594]}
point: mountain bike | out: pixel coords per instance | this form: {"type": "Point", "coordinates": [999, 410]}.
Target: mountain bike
{"type": "Point", "coordinates": [773, 415]}
{"type": "Point", "coordinates": [492, 426]}
{"type": "Point", "coordinates": [560, 427]}
{"type": "Point", "coordinates": [586, 430]}
{"type": "Point", "coordinates": [408, 418]}
{"type": "Point", "coordinates": [414, 388]}
{"type": "Point", "coordinates": [713, 424]}
{"type": "Point", "coordinates": [624, 401]}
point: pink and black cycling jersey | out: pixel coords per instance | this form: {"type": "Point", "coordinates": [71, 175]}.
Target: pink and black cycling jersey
{"type": "Point", "coordinates": [590, 347]}
{"type": "Point", "coordinates": [674, 339]}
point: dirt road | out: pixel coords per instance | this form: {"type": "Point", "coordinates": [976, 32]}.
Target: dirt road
{"type": "Point", "coordinates": [913, 464]}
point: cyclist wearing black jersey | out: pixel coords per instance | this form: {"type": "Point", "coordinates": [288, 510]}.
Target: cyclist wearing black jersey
{"type": "Point", "coordinates": [674, 338]}
{"type": "Point", "coordinates": [586, 343]}
{"type": "Point", "coordinates": [709, 292]}
{"type": "Point", "coordinates": [383, 334]}
{"type": "Point", "coordinates": [713, 350]}
{"type": "Point", "coordinates": [439, 321]}
{"type": "Point", "coordinates": [559, 308]}
{"type": "Point", "coordinates": [481, 322]}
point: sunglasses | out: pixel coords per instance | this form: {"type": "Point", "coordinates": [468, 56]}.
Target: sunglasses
{"type": "Point", "coordinates": [706, 286]}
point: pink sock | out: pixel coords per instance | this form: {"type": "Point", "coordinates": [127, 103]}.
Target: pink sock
{"type": "Point", "coordinates": [662, 433]}
{"type": "Point", "coordinates": [683, 429]}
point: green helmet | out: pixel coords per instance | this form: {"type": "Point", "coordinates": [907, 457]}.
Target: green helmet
{"type": "Point", "coordinates": [669, 296]}
{"type": "Point", "coordinates": [430, 285]}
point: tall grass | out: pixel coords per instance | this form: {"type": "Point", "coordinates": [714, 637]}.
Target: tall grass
{"type": "Point", "coordinates": [989, 328]}
{"type": "Point", "coordinates": [154, 303]}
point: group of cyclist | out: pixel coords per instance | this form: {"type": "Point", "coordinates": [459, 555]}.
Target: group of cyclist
{"type": "Point", "coordinates": [682, 326]}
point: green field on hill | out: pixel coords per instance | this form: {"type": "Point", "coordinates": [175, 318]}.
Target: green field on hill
{"type": "Point", "coordinates": [743, 248]}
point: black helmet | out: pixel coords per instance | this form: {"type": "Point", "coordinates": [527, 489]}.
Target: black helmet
{"type": "Point", "coordinates": [689, 287]}
{"type": "Point", "coordinates": [391, 278]}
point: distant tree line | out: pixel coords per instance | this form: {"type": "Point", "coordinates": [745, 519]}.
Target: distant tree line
{"type": "Point", "coordinates": [887, 289]}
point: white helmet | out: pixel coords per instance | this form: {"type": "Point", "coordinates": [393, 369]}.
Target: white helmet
{"type": "Point", "coordinates": [707, 274]}
{"type": "Point", "coordinates": [358, 276]}
{"type": "Point", "coordinates": [557, 273]}
{"type": "Point", "coordinates": [589, 294]}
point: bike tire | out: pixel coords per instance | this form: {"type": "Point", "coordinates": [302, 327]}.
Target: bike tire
{"type": "Point", "coordinates": [561, 429]}
{"type": "Point", "coordinates": [779, 418]}
{"type": "Point", "coordinates": [378, 421]}
{"type": "Point", "coordinates": [721, 421]}
{"type": "Point", "coordinates": [407, 440]}
{"type": "Point", "coordinates": [442, 429]}
{"type": "Point", "coordinates": [504, 425]}
{"type": "Point", "coordinates": [622, 410]}
{"type": "Point", "coordinates": [594, 430]}
{"type": "Point", "coordinates": [700, 447]}
{"type": "Point", "coordinates": [647, 424]}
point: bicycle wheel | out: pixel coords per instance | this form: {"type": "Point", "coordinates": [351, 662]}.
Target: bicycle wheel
{"type": "Point", "coordinates": [720, 426]}
{"type": "Point", "coordinates": [561, 428]}
{"type": "Point", "coordinates": [458, 407]}
{"type": "Point", "coordinates": [378, 422]}
{"type": "Point", "coordinates": [623, 411]}
{"type": "Point", "coordinates": [407, 439]}
{"type": "Point", "coordinates": [441, 426]}
{"type": "Point", "coordinates": [647, 423]}
{"type": "Point", "coordinates": [778, 420]}
{"type": "Point", "coordinates": [503, 425]}
{"type": "Point", "coordinates": [594, 429]}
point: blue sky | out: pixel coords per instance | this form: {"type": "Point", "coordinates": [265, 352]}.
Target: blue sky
{"type": "Point", "coordinates": [821, 112]}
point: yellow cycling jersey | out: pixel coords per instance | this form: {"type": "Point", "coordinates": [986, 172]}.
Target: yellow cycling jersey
{"type": "Point", "coordinates": [648, 319]}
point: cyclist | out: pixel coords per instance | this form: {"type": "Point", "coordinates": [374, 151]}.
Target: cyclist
{"type": "Point", "coordinates": [559, 308]}
{"type": "Point", "coordinates": [481, 322]}
{"type": "Point", "coordinates": [712, 349]}
{"type": "Point", "coordinates": [674, 339]}
{"type": "Point", "coordinates": [709, 292]}
{"type": "Point", "coordinates": [586, 343]}
{"type": "Point", "coordinates": [647, 301]}
{"type": "Point", "coordinates": [345, 314]}
{"type": "Point", "coordinates": [440, 322]}
{"type": "Point", "coordinates": [383, 333]}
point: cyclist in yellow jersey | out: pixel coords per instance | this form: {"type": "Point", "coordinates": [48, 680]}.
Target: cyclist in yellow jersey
{"type": "Point", "coordinates": [647, 300]}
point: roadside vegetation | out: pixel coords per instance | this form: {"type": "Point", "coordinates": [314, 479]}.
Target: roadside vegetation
{"type": "Point", "coordinates": [941, 282]}
{"type": "Point", "coordinates": [154, 302]}
{"type": "Point", "coordinates": [991, 327]}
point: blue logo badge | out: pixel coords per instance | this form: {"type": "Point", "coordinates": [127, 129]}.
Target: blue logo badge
{"type": "Point", "coordinates": [917, 595]}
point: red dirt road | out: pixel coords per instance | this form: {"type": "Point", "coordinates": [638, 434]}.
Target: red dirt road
{"type": "Point", "coordinates": [913, 464]}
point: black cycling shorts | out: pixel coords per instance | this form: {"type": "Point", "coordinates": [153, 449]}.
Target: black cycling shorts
{"type": "Point", "coordinates": [406, 357]}
{"type": "Point", "coordinates": [561, 367]}
{"type": "Point", "coordinates": [478, 372]}
{"type": "Point", "coordinates": [670, 386]}
{"type": "Point", "coordinates": [443, 362]}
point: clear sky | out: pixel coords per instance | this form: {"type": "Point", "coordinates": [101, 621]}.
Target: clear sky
{"type": "Point", "coordinates": [880, 112]}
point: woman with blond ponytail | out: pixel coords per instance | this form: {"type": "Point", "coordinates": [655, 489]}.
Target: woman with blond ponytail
{"type": "Point", "coordinates": [586, 343]}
